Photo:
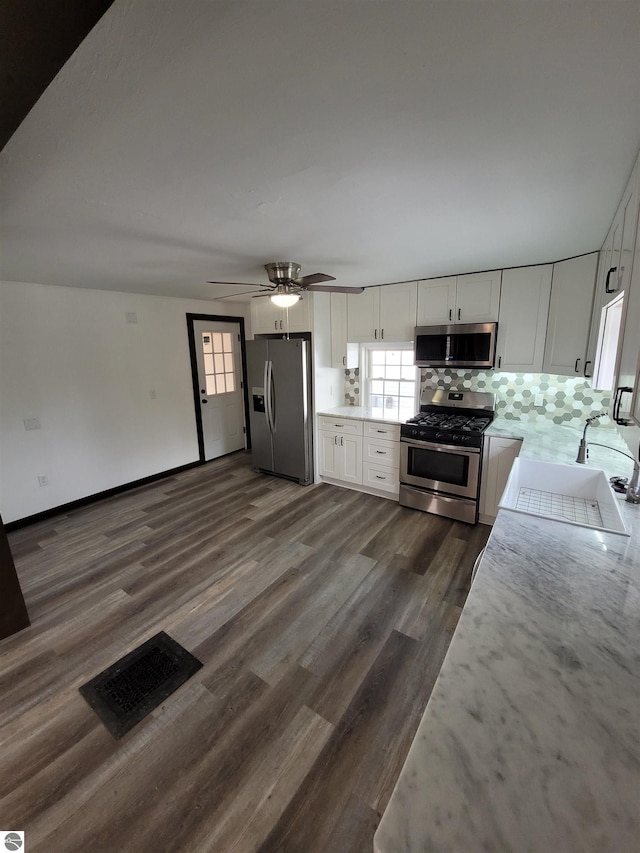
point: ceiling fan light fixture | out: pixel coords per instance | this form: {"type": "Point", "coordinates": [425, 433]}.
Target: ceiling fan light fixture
{"type": "Point", "coordinates": [285, 300]}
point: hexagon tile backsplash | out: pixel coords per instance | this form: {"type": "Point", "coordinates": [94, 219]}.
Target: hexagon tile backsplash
{"type": "Point", "coordinates": [565, 399]}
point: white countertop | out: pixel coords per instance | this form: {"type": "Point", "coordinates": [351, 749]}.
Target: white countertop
{"type": "Point", "coordinates": [531, 738]}
{"type": "Point", "coordinates": [359, 413]}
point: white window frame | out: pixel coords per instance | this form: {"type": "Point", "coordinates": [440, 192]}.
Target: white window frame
{"type": "Point", "coordinates": [366, 378]}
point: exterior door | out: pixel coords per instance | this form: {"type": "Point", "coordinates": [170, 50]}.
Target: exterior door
{"type": "Point", "coordinates": [219, 364]}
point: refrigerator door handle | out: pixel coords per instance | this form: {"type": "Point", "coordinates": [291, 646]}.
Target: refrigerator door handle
{"type": "Point", "coordinates": [272, 399]}
{"type": "Point", "coordinates": [269, 400]}
{"type": "Point", "coordinates": [267, 395]}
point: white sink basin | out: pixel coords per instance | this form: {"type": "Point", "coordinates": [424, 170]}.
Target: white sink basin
{"type": "Point", "coordinates": [566, 493]}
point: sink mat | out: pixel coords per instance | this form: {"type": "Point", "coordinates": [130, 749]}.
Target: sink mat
{"type": "Point", "coordinates": [578, 510]}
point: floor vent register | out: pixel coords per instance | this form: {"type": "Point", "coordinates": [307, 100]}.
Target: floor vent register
{"type": "Point", "coordinates": [133, 686]}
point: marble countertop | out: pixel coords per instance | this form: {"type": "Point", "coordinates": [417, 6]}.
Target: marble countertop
{"type": "Point", "coordinates": [531, 738]}
{"type": "Point", "coordinates": [359, 413]}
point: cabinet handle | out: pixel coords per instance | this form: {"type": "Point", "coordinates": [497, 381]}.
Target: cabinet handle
{"type": "Point", "coordinates": [344, 361]}
{"type": "Point", "coordinates": [383, 431]}
{"type": "Point", "coordinates": [341, 441]}
{"type": "Point", "coordinates": [617, 400]}
{"type": "Point", "coordinates": [499, 361]}
{"type": "Point", "coordinates": [339, 426]}
{"type": "Point", "coordinates": [586, 367]}
{"type": "Point", "coordinates": [450, 314]}
{"type": "Point", "coordinates": [575, 366]}
{"type": "Point", "coordinates": [459, 313]}
{"type": "Point", "coordinates": [381, 452]}
{"type": "Point", "coordinates": [608, 289]}
{"type": "Point", "coordinates": [281, 324]}
{"type": "Point", "coordinates": [275, 325]}
{"type": "Point", "coordinates": [382, 333]}
{"type": "Point", "coordinates": [378, 477]}
{"type": "Point", "coordinates": [375, 334]}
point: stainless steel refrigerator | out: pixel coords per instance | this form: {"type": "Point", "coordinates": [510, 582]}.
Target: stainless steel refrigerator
{"type": "Point", "coordinates": [279, 373]}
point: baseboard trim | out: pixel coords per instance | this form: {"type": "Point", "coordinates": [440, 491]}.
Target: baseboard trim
{"type": "Point", "coordinates": [98, 496]}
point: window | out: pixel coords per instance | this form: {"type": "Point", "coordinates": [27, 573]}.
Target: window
{"type": "Point", "coordinates": [390, 382]}
{"type": "Point", "coordinates": [217, 348]}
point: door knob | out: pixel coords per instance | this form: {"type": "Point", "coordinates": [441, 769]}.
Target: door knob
{"type": "Point", "coordinates": [202, 391]}
{"type": "Point", "coordinates": [205, 401]}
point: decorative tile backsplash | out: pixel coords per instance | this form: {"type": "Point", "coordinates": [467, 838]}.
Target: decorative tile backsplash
{"type": "Point", "coordinates": [523, 396]}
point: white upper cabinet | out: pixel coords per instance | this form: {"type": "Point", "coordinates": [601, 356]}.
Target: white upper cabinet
{"type": "Point", "coordinates": [572, 287]}
{"type": "Point", "coordinates": [398, 304]}
{"type": "Point", "coordinates": [522, 323]}
{"type": "Point", "coordinates": [473, 298]}
{"type": "Point", "coordinates": [436, 301]}
{"type": "Point", "coordinates": [343, 354]}
{"type": "Point", "coordinates": [269, 319]}
{"type": "Point", "coordinates": [386, 313]}
{"type": "Point", "coordinates": [478, 297]}
{"type": "Point", "coordinates": [615, 260]}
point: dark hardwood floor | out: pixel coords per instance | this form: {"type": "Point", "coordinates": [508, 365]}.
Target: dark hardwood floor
{"type": "Point", "coordinates": [321, 616]}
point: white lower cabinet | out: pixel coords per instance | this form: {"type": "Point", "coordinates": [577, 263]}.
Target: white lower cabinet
{"type": "Point", "coordinates": [340, 449]}
{"type": "Point", "coordinates": [498, 456]}
{"type": "Point", "coordinates": [341, 456]}
{"type": "Point", "coordinates": [360, 453]}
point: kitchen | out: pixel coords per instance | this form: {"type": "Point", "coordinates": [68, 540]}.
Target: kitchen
{"type": "Point", "coordinates": [96, 383]}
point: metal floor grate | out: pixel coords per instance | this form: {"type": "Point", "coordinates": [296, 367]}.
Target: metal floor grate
{"type": "Point", "coordinates": [579, 510]}
{"type": "Point", "coordinates": [132, 687]}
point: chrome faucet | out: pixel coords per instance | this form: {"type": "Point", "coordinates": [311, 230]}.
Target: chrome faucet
{"type": "Point", "coordinates": [633, 489]}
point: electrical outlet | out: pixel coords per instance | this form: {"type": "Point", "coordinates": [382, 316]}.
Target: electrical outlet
{"type": "Point", "coordinates": [31, 423]}
{"type": "Point", "coordinates": [43, 480]}
{"type": "Point", "coordinates": [539, 400]}
{"type": "Point", "coordinates": [132, 317]}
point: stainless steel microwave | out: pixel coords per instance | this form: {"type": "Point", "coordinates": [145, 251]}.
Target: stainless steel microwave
{"type": "Point", "coordinates": [456, 345]}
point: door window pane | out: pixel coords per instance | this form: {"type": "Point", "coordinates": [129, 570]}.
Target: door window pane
{"type": "Point", "coordinates": [217, 348]}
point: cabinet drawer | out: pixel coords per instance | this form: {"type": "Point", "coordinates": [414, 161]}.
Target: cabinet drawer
{"type": "Point", "coordinates": [346, 426]}
{"type": "Point", "coordinates": [375, 429]}
{"type": "Point", "coordinates": [381, 452]}
{"type": "Point", "coordinates": [377, 477]}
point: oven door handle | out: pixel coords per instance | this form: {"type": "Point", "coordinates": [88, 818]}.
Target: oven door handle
{"type": "Point", "coordinates": [441, 448]}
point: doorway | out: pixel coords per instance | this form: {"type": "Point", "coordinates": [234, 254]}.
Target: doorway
{"type": "Point", "coordinates": [218, 370]}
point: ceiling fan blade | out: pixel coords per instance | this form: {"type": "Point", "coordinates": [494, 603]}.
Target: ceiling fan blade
{"type": "Point", "coordinates": [264, 292]}
{"type": "Point", "coordinates": [238, 283]}
{"type": "Point", "coordinates": [314, 278]}
{"type": "Point", "coordinates": [335, 289]}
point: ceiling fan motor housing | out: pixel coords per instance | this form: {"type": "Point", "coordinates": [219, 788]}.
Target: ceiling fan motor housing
{"type": "Point", "coordinates": [282, 272]}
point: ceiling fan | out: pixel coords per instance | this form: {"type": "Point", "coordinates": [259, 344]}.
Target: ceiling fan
{"type": "Point", "coordinates": [287, 284]}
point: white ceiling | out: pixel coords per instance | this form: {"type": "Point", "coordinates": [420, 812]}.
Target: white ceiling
{"type": "Point", "coordinates": [374, 140]}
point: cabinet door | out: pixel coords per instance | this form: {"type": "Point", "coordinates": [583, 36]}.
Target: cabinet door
{"type": "Point", "coordinates": [572, 288]}
{"type": "Point", "coordinates": [478, 297]}
{"type": "Point", "coordinates": [343, 354]}
{"type": "Point", "coordinates": [522, 324]}
{"type": "Point", "coordinates": [363, 313]}
{"type": "Point", "coordinates": [266, 318]}
{"type": "Point", "coordinates": [436, 301]}
{"type": "Point", "coordinates": [398, 307]}
{"type": "Point", "coordinates": [499, 454]}
{"type": "Point", "coordinates": [350, 448]}
{"type": "Point", "coordinates": [298, 317]}
{"type": "Point", "coordinates": [600, 299]}
{"type": "Point", "coordinates": [329, 454]}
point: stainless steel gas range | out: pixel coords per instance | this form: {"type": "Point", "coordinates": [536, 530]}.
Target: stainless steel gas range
{"type": "Point", "coordinates": [441, 453]}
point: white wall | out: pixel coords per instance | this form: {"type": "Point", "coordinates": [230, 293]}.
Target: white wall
{"type": "Point", "coordinates": [70, 358]}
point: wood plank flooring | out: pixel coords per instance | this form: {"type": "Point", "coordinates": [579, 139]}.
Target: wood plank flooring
{"type": "Point", "coordinates": [321, 616]}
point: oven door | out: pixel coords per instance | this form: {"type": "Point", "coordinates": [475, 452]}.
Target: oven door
{"type": "Point", "coordinates": [440, 467]}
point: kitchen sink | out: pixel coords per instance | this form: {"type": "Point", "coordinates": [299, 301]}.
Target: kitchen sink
{"type": "Point", "coordinates": [565, 493]}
